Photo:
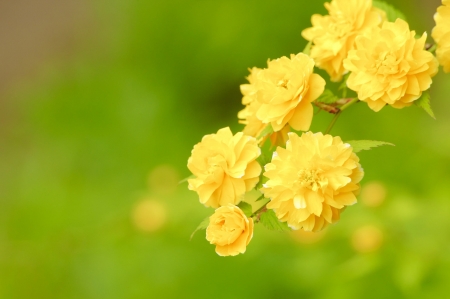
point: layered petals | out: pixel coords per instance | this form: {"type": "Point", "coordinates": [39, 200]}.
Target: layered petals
{"type": "Point", "coordinates": [224, 167]}
{"type": "Point", "coordinates": [312, 180]}
{"type": "Point", "coordinates": [281, 95]}
{"type": "Point", "coordinates": [441, 34]}
{"type": "Point", "coordinates": [390, 66]}
{"type": "Point", "coordinates": [230, 230]}
{"type": "Point", "coordinates": [333, 35]}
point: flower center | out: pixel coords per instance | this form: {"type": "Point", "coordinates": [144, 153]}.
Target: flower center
{"type": "Point", "coordinates": [283, 83]}
{"type": "Point", "coordinates": [311, 179]}
{"type": "Point", "coordinates": [386, 64]}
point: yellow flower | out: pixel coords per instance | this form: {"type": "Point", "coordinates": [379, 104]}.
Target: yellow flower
{"type": "Point", "coordinates": [334, 35]}
{"type": "Point", "coordinates": [230, 230]}
{"type": "Point", "coordinates": [224, 167]}
{"type": "Point", "coordinates": [248, 90]}
{"type": "Point", "coordinates": [312, 180]}
{"type": "Point", "coordinates": [253, 125]}
{"type": "Point", "coordinates": [284, 92]}
{"type": "Point", "coordinates": [441, 34]}
{"type": "Point", "coordinates": [390, 66]}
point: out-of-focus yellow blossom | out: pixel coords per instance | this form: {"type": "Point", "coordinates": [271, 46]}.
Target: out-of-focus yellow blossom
{"type": "Point", "coordinates": [334, 35]}
{"type": "Point", "coordinates": [224, 167]}
{"type": "Point", "coordinates": [284, 92]}
{"type": "Point", "coordinates": [441, 34]}
{"type": "Point", "coordinates": [312, 180]}
{"type": "Point", "coordinates": [390, 66]}
{"type": "Point", "coordinates": [253, 125]}
{"type": "Point", "coordinates": [367, 239]}
{"type": "Point", "coordinates": [248, 90]}
{"type": "Point", "coordinates": [230, 230]}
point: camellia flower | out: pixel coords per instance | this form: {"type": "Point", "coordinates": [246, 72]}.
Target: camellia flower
{"type": "Point", "coordinates": [333, 35]}
{"type": "Point", "coordinates": [390, 66]}
{"type": "Point", "coordinates": [284, 92]}
{"type": "Point", "coordinates": [230, 230]}
{"type": "Point", "coordinates": [441, 34]}
{"type": "Point", "coordinates": [224, 167]}
{"type": "Point", "coordinates": [312, 180]}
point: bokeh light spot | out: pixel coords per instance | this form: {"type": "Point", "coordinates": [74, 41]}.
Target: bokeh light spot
{"type": "Point", "coordinates": [373, 194]}
{"type": "Point", "coordinates": [149, 215]}
{"type": "Point", "coordinates": [163, 179]}
{"type": "Point", "coordinates": [305, 237]}
{"type": "Point", "coordinates": [367, 239]}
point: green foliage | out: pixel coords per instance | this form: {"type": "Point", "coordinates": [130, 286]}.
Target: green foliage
{"type": "Point", "coordinates": [260, 198]}
{"type": "Point", "coordinates": [343, 86]}
{"type": "Point", "coordinates": [391, 12]}
{"type": "Point", "coordinates": [246, 208]}
{"type": "Point", "coordinates": [307, 48]}
{"type": "Point", "coordinates": [265, 157]}
{"type": "Point", "coordinates": [424, 103]}
{"type": "Point", "coordinates": [267, 131]}
{"type": "Point", "coordinates": [270, 221]}
{"type": "Point", "coordinates": [186, 179]}
{"type": "Point", "coordinates": [327, 97]}
{"type": "Point", "coordinates": [203, 225]}
{"type": "Point", "coordinates": [361, 145]}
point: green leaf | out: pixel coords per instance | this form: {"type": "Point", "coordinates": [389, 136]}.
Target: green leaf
{"type": "Point", "coordinates": [360, 145]}
{"type": "Point", "coordinates": [246, 208]}
{"type": "Point", "coordinates": [344, 82]}
{"type": "Point", "coordinates": [186, 179]}
{"type": "Point", "coordinates": [260, 198]}
{"type": "Point", "coordinates": [424, 103]}
{"type": "Point", "coordinates": [307, 48]}
{"type": "Point", "coordinates": [267, 130]}
{"type": "Point", "coordinates": [270, 221]}
{"type": "Point", "coordinates": [327, 97]}
{"type": "Point", "coordinates": [203, 225]}
{"type": "Point", "coordinates": [391, 12]}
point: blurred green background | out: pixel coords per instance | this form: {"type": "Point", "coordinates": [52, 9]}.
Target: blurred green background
{"type": "Point", "coordinates": [101, 103]}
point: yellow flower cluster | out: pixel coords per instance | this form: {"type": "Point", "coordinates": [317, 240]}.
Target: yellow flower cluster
{"type": "Point", "coordinates": [390, 66]}
{"type": "Point", "coordinates": [313, 177]}
{"type": "Point", "coordinates": [441, 34]}
{"type": "Point", "coordinates": [333, 35]}
{"type": "Point", "coordinates": [312, 180]}
{"type": "Point", "coordinates": [225, 167]}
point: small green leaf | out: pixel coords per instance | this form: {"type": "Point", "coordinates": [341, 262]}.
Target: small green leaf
{"type": "Point", "coordinates": [327, 97]}
{"type": "Point", "coordinates": [186, 179]}
{"type": "Point", "coordinates": [391, 12]}
{"type": "Point", "coordinates": [270, 221]}
{"type": "Point", "coordinates": [307, 48]}
{"type": "Point", "coordinates": [260, 198]}
{"type": "Point", "coordinates": [424, 103]}
{"type": "Point", "coordinates": [203, 225]}
{"type": "Point", "coordinates": [360, 145]}
{"type": "Point", "coordinates": [267, 130]}
{"type": "Point", "coordinates": [246, 208]}
{"type": "Point", "coordinates": [344, 82]}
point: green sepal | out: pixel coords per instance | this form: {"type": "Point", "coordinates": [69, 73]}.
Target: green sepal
{"type": "Point", "coordinates": [246, 208]}
{"type": "Point", "coordinates": [307, 48]}
{"type": "Point", "coordinates": [203, 225]}
{"type": "Point", "coordinates": [391, 12]}
{"type": "Point", "coordinates": [260, 198]}
{"type": "Point", "coordinates": [270, 221]}
{"type": "Point", "coordinates": [186, 179]}
{"type": "Point", "coordinates": [267, 131]}
{"type": "Point", "coordinates": [361, 145]}
{"type": "Point", "coordinates": [424, 103]}
{"type": "Point", "coordinates": [327, 97]}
